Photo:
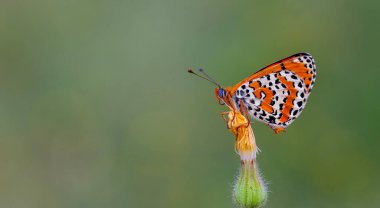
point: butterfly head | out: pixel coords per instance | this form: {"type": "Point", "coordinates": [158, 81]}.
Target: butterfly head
{"type": "Point", "coordinates": [221, 95]}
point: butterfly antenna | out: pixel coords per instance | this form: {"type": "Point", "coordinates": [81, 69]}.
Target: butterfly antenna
{"type": "Point", "coordinates": [208, 76]}
{"type": "Point", "coordinates": [205, 76]}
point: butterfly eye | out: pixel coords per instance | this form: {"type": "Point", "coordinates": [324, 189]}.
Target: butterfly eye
{"type": "Point", "coordinates": [221, 93]}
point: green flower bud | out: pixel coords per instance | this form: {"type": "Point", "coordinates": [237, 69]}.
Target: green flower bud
{"type": "Point", "coordinates": [249, 189]}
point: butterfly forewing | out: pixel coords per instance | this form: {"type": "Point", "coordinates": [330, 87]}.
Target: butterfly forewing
{"type": "Point", "coordinates": [277, 94]}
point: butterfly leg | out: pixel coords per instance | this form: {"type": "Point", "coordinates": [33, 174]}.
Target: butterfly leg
{"type": "Point", "coordinates": [228, 120]}
{"type": "Point", "coordinates": [223, 116]}
{"type": "Point", "coordinates": [244, 111]}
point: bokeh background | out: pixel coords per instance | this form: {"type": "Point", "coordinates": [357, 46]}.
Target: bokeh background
{"type": "Point", "coordinates": [97, 110]}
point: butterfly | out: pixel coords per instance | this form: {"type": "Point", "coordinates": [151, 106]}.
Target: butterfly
{"type": "Point", "coordinates": [275, 95]}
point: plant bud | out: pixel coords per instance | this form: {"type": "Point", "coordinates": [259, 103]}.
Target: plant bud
{"type": "Point", "coordinates": [249, 189]}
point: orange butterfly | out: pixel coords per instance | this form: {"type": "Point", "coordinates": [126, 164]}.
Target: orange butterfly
{"type": "Point", "coordinates": [274, 95]}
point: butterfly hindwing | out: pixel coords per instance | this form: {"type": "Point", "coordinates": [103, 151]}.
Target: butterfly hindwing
{"type": "Point", "coordinates": [277, 94]}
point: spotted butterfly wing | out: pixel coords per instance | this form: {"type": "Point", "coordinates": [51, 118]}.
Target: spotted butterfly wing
{"type": "Point", "coordinates": [277, 94]}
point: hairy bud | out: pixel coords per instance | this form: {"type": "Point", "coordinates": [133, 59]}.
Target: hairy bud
{"type": "Point", "coordinates": [249, 189]}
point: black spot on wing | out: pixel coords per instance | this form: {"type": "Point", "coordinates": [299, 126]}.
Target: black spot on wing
{"type": "Point", "coordinates": [271, 119]}
{"type": "Point", "coordinates": [283, 66]}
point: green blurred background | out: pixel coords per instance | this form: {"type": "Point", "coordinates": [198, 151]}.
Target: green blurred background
{"type": "Point", "coordinates": [97, 110]}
